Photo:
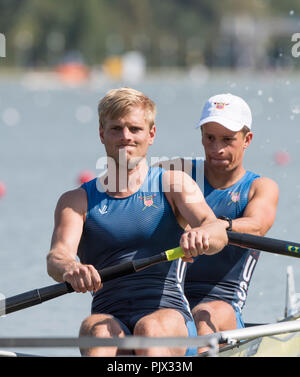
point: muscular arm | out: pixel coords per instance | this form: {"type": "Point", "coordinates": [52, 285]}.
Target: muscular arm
{"type": "Point", "coordinates": [61, 259]}
{"type": "Point", "coordinates": [259, 215]}
{"type": "Point", "coordinates": [208, 234]}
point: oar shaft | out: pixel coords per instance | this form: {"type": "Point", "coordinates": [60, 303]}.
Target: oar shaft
{"type": "Point", "coordinates": [130, 267]}
{"type": "Point", "coordinates": [37, 296]}
{"type": "Point", "coordinates": [270, 245]}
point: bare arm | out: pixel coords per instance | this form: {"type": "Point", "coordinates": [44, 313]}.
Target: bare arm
{"type": "Point", "coordinates": [61, 260]}
{"type": "Point", "coordinates": [260, 213]}
{"type": "Point", "coordinates": [207, 234]}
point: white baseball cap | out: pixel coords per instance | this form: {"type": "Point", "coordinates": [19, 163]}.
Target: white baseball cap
{"type": "Point", "coordinates": [228, 110]}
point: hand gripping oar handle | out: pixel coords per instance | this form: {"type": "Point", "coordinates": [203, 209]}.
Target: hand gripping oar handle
{"type": "Point", "coordinates": [270, 245]}
{"type": "Point", "coordinates": [37, 296]}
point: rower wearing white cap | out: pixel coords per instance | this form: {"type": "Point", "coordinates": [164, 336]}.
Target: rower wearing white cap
{"type": "Point", "coordinates": [217, 285]}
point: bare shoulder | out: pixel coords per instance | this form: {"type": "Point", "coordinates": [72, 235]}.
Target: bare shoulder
{"type": "Point", "coordinates": [179, 186]}
{"type": "Point", "coordinates": [264, 182]}
{"type": "Point", "coordinates": [174, 164]}
{"type": "Point", "coordinates": [264, 186]}
{"type": "Point", "coordinates": [176, 177]}
{"type": "Point", "coordinates": [75, 200]}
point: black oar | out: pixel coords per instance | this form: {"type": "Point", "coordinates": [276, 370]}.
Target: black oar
{"type": "Point", "coordinates": [270, 245]}
{"type": "Point", "coordinates": [244, 240]}
{"type": "Point", "coordinates": [37, 296]}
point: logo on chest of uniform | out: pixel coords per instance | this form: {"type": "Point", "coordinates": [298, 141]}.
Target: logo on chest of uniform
{"type": "Point", "coordinates": [103, 210]}
{"type": "Point", "coordinates": [234, 197]}
{"type": "Point", "coordinates": [148, 201]}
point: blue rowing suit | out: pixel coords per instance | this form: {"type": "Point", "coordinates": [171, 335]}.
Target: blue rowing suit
{"type": "Point", "coordinates": [227, 274]}
{"type": "Point", "coordinates": [118, 230]}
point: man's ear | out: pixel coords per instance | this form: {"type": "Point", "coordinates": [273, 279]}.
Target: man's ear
{"type": "Point", "coordinates": [101, 131]}
{"type": "Point", "coordinates": [152, 133]}
{"type": "Point", "coordinates": [247, 139]}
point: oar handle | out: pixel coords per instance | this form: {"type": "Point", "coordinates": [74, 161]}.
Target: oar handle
{"type": "Point", "coordinates": [37, 296]}
{"type": "Point", "coordinates": [113, 272]}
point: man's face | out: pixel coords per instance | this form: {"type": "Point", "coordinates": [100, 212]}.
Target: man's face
{"type": "Point", "coordinates": [224, 149]}
{"type": "Point", "coordinates": [128, 136]}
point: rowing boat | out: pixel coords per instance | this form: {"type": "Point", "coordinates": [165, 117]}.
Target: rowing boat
{"type": "Point", "coordinates": [276, 339]}
{"type": "Point", "coordinates": [277, 345]}
{"type": "Point", "coordinates": [280, 339]}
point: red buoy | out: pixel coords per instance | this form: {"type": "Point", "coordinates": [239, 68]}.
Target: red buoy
{"type": "Point", "coordinates": [282, 158]}
{"type": "Point", "coordinates": [2, 189]}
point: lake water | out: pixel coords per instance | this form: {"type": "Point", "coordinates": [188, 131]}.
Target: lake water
{"type": "Point", "coordinates": [49, 133]}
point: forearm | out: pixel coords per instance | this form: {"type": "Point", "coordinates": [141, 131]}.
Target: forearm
{"type": "Point", "coordinates": [59, 261]}
{"type": "Point", "coordinates": [217, 236]}
{"type": "Point", "coordinates": [210, 238]}
{"type": "Point", "coordinates": [249, 225]}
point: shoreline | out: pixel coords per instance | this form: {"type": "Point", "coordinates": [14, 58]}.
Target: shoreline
{"type": "Point", "coordinates": [97, 78]}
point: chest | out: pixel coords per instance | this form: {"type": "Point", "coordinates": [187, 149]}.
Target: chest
{"type": "Point", "coordinates": [229, 202]}
{"type": "Point", "coordinates": [138, 217]}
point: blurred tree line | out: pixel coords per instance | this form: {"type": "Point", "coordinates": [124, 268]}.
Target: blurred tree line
{"type": "Point", "coordinates": [41, 33]}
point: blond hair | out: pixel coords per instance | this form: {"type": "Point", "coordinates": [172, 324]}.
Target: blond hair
{"type": "Point", "coordinates": [119, 102]}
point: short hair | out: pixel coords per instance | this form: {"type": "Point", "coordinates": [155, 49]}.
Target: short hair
{"type": "Point", "coordinates": [119, 102]}
{"type": "Point", "coordinates": [244, 130]}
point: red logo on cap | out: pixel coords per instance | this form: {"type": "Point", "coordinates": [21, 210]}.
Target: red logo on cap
{"type": "Point", "coordinates": [220, 105]}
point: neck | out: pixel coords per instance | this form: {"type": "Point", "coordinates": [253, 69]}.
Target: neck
{"type": "Point", "coordinates": [222, 179]}
{"type": "Point", "coordinates": [122, 181]}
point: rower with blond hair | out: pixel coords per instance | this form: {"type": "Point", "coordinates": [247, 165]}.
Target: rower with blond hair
{"type": "Point", "coordinates": [126, 214]}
